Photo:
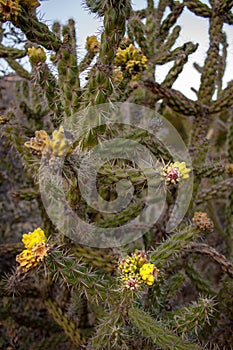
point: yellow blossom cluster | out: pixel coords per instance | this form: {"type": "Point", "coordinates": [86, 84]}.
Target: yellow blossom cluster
{"type": "Point", "coordinates": [117, 75]}
{"type": "Point", "coordinates": [136, 270]}
{"type": "Point", "coordinates": [174, 172]}
{"type": "Point", "coordinates": [38, 143]}
{"type": "Point", "coordinates": [36, 55]}
{"type": "Point", "coordinates": [11, 9]}
{"type": "Point", "coordinates": [92, 44]}
{"type": "Point", "coordinates": [131, 60]}
{"type": "Point", "coordinates": [36, 249]}
{"type": "Point", "coordinates": [41, 144]}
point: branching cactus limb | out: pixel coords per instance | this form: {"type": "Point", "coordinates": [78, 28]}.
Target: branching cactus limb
{"type": "Point", "coordinates": [198, 8]}
{"type": "Point", "coordinates": [172, 246]}
{"type": "Point", "coordinates": [174, 99]}
{"type": "Point", "coordinates": [99, 87]}
{"type": "Point", "coordinates": [68, 72]}
{"type": "Point", "coordinates": [67, 325]}
{"type": "Point", "coordinates": [169, 22]}
{"type": "Point", "coordinates": [37, 31]}
{"type": "Point", "coordinates": [200, 283]}
{"type": "Point", "coordinates": [192, 318]}
{"type": "Point", "coordinates": [215, 191]}
{"type": "Point", "coordinates": [220, 259]}
{"type": "Point", "coordinates": [178, 66]}
{"type": "Point", "coordinates": [18, 69]}
{"type": "Point", "coordinates": [159, 333]}
{"type": "Point", "coordinates": [229, 204]}
{"type": "Point", "coordinates": [13, 53]}
{"type": "Point", "coordinates": [209, 74]}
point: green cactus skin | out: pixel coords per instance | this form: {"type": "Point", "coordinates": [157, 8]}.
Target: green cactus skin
{"type": "Point", "coordinates": [37, 32]}
{"type": "Point", "coordinates": [68, 73]}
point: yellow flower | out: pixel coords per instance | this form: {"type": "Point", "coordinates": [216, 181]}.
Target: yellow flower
{"type": "Point", "coordinates": [10, 9]}
{"type": "Point", "coordinates": [34, 238]}
{"type": "Point", "coordinates": [92, 44]}
{"type": "Point", "coordinates": [183, 171]}
{"type": "Point", "coordinates": [117, 75]}
{"type": "Point", "coordinates": [132, 60]}
{"type": "Point", "coordinates": [136, 269]}
{"type": "Point", "coordinates": [36, 55]}
{"type": "Point", "coordinates": [173, 172]}
{"type": "Point", "coordinates": [36, 249]}
{"type": "Point", "coordinates": [38, 143]}
{"type": "Point", "coordinates": [148, 273]}
{"type": "Point", "coordinates": [59, 145]}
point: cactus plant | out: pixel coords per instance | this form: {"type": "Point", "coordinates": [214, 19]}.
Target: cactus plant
{"type": "Point", "coordinates": [168, 288]}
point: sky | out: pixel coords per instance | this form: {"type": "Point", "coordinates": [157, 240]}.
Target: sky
{"type": "Point", "coordinates": [194, 29]}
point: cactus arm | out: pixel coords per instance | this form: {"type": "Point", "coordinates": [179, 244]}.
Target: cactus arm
{"type": "Point", "coordinates": [86, 61]}
{"type": "Point", "coordinates": [169, 22]}
{"type": "Point", "coordinates": [159, 333]}
{"type": "Point", "coordinates": [198, 8]}
{"type": "Point", "coordinates": [13, 53]}
{"type": "Point", "coordinates": [224, 101]}
{"type": "Point", "coordinates": [201, 248]}
{"type": "Point", "coordinates": [178, 66]}
{"type": "Point", "coordinates": [208, 77]}
{"type": "Point", "coordinates": [174, 99]}
{"type": "Point", "coordinates": [68, 75]}
{"type": "Point", "coordinates": [18, 69]}
{"type": "Point", "coordinates": [99, 87]}
{"type": "Point", "coordinates": [37, 32]}
{"type": "Point", "coordinates": [165, 57]}
{"type": "Point", "coordinates": [229, 204]}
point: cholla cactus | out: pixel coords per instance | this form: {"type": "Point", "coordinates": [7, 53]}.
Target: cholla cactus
{"type": "Point", "coordinates": [145, 294]}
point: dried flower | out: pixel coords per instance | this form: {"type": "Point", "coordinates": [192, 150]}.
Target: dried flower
{"type": "Point", "coordinates": [30, 4]}
{"type": "Point", "coordinates": [26, 259]}
{"type": "Point", "coordinates": [202, 221]}
{"type": "Point", "coordinates": [229, 169]}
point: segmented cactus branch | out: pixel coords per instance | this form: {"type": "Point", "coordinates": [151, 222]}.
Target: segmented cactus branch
{"type": "Point", "coordinates": [201, 248]}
